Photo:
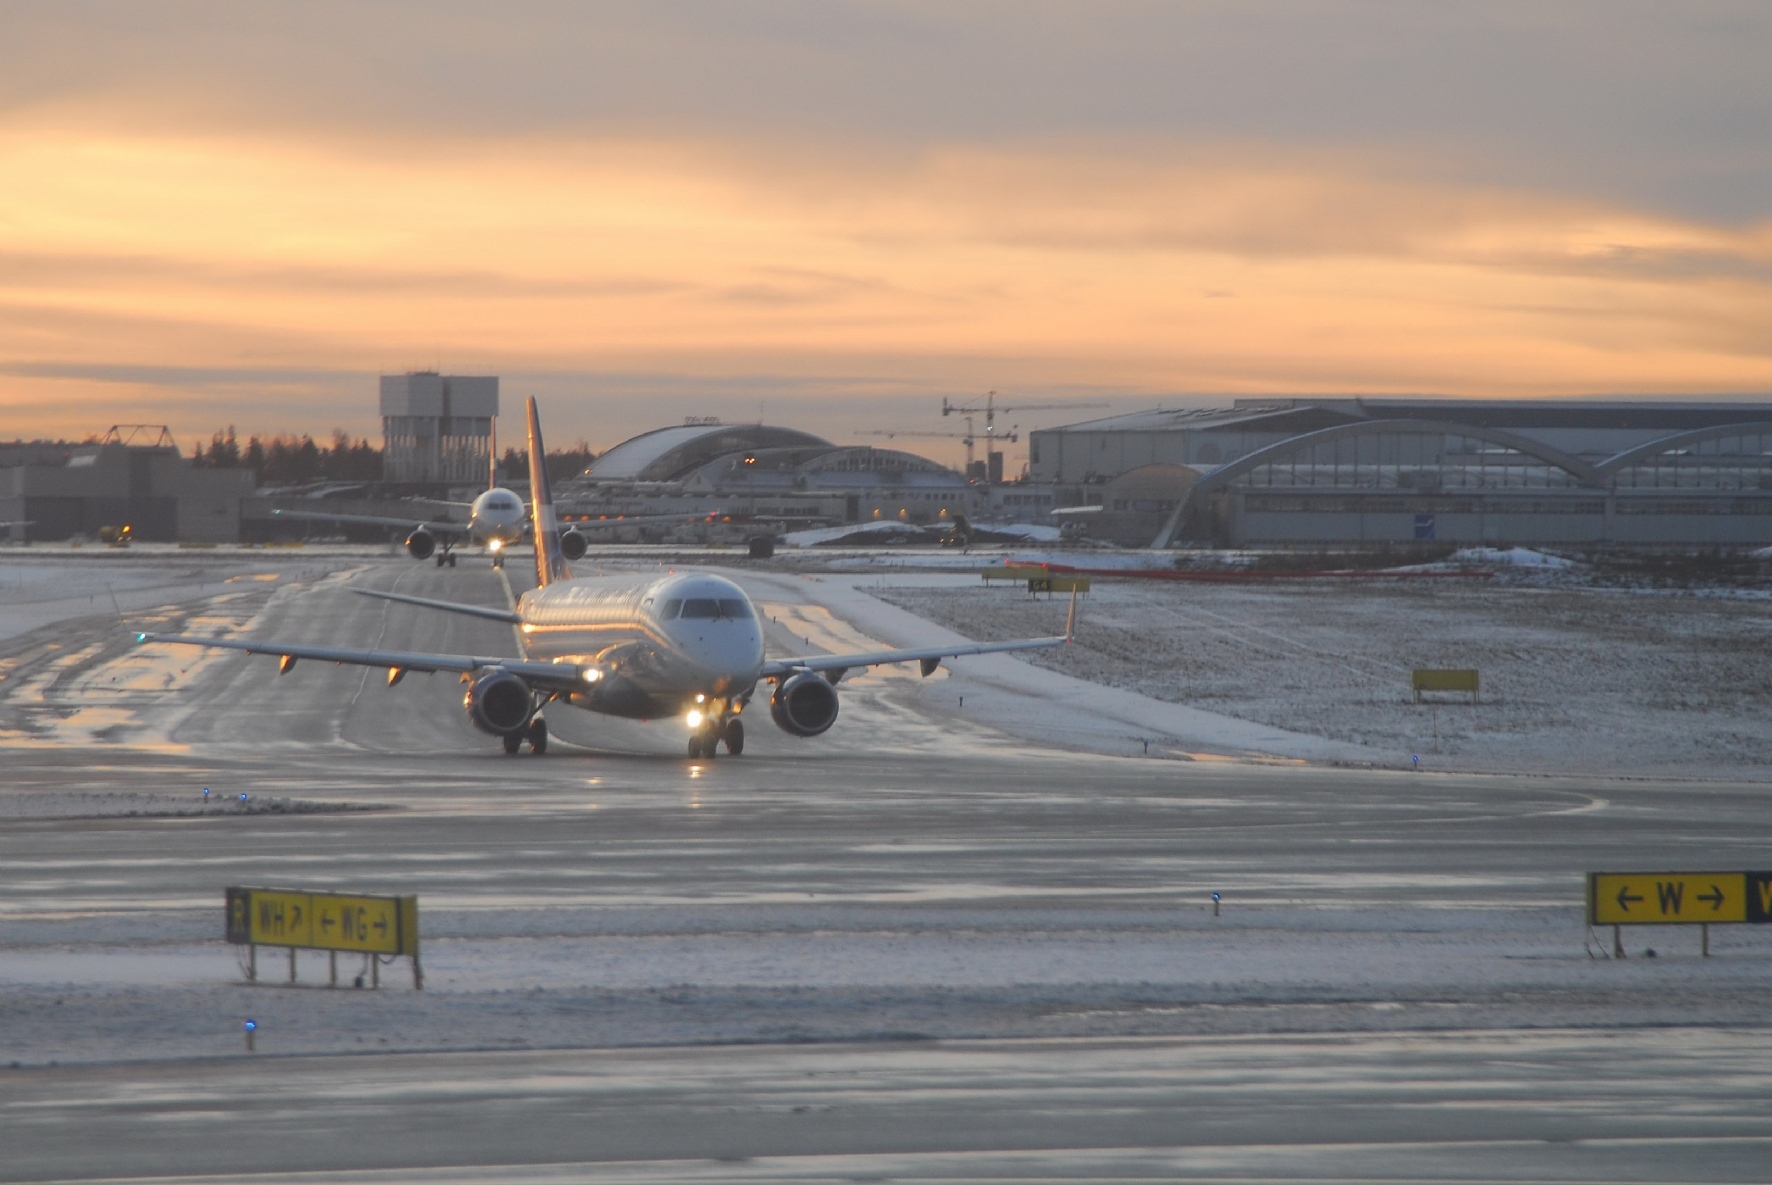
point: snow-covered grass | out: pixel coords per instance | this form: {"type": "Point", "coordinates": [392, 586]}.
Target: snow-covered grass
{"type": "Point", "coordinates": [1573, 680]}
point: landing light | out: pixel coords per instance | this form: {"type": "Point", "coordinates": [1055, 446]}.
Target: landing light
{"type": "Point", "coordinates": [693, 720]}
{"type": "Point", "coordinates": [592, 674]}
{"type": "Point", "coordinates": [701, 699]}
{"type": "Point", "coordinates": [496, 545]}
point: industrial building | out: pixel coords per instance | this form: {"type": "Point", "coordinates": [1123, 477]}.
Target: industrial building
{"type": "Point", "coordinates": [133, 477]}
{"type": "Point", "coordinates": [1391, 471]}
{"type": "Point", "coordinates": [437, 428]}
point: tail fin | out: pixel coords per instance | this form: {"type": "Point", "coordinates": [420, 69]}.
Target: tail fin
{"type": "Point", "coordinates": [549, 564]}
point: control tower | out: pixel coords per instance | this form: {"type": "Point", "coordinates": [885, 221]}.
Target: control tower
{"type": "Point", "coordinates": [437, 428]}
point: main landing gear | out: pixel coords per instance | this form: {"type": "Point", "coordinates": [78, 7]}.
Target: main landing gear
{"type": "Point", "coordinates": [705, 743]}
{"type": "Point", "coordinates": [446, 557]}
{"type": "Point", "coordinates": [536, 734]}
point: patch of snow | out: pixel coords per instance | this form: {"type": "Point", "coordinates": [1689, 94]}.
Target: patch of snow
{"type": "Point", "coordinates": [877, 530]}
{"type": "Point", "coordinates": [1508, 557]}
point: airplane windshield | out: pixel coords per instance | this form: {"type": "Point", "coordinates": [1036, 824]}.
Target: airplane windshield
{"type": "Point", "coordinates": [709, 607]}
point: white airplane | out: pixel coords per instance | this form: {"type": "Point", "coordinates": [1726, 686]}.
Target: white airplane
{"type": "Point", "coordinates": [686, 645]}
{"type": "Point", "coordinates": [497, 519]}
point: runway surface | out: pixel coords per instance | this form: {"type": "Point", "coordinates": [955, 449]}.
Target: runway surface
{"type": "Point", "coordinates": [912, 947]}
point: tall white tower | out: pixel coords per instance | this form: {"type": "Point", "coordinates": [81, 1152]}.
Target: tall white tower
{"type": "Point", "coordinates": [437, 428]}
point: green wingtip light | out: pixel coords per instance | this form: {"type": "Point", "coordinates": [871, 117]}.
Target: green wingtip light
{"type": "Point", "coordinates": [141, 637]}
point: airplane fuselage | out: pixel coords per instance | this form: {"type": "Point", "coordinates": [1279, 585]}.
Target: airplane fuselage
{"type": "Point", "coordinates": [655, 643]}
{"type": "Point", "coordinates": [498, 515]}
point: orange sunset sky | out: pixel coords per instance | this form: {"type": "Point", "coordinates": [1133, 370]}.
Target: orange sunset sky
{"type": "Point", "coordinates": [834, 214]}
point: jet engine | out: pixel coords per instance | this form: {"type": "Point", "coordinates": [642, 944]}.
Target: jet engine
{"type": "Point", "coordinates": [804, 705]}
{"type": "Point", "coordinates": [499, 703]}
{"type": "Point", "coordinates": [421, 543]}
{"type": "Point", "coordinates": [572, 544]}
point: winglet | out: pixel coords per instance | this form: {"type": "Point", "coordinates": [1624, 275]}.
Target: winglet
{"type": "Point", "coordinates": [1070, 623]}
{"type": "Point", "coordinates": [550, 565]}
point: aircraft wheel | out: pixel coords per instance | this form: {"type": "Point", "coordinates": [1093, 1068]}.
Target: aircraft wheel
{"type": "Point", "coordinates": [538, 736]}
{"type": "Point", "coordinates": [439, 559]}
{"type": "Point", "coordinates": [695, 747]}
{"type": "Point", "coordinates": [734, 737]}
{"type": "Point", "coordinates": [452, 561]}
{"type": "Point", "coordinates": [513, 741]}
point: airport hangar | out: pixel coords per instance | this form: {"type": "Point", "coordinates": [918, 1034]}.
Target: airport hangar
{"type": "Point", "coordinates": [1417, 472]}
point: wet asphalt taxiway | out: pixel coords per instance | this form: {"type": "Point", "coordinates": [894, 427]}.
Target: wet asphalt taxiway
{"type": "Point", "coordinates": [910, 948]}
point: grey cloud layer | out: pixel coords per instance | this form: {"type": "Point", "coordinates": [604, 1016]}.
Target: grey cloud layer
{"type": "Point", "coordinates": [1656, 104]}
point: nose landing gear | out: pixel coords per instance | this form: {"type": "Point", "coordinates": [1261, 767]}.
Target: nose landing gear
{"type": "Point", "coordinates": [704, 742]}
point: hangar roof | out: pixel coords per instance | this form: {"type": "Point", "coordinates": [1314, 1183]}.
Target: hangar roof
{"type": "Point", "coordinates": [1307, 414]}
{"type": "Point", "coordinates": [670, 454]}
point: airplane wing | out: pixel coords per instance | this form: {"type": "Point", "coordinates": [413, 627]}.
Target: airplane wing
{"type": "Point", "coordinates": [490, 614]}
{"type": "Point", "coordinates": [546, 676]}
{"type": "Point", "coordinates": [632, 520]}
{"type": "Point", "coordinates": [404, 524]}
{"type": "Point", "coordinates": [929, 656]}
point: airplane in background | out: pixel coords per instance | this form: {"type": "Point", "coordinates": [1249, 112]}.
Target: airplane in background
{"type": "Point", "coordinates": [497, 519]}
{"type": "Point", "coordinates": [686, 645]}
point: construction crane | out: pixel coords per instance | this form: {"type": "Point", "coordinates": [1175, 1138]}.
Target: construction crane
{"type": "Point", "coordinates": [967, 438]}
{"type": "Point", "coordinates": [989, 410]}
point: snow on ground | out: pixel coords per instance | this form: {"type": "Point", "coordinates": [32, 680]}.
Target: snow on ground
{"type": "Point", "coordinates": [1573, 680]}
{"type": "Point", "coordinates": [1000, 691]}
{"type": "Point", "coordinates": [1511, 557]}
{"type": "Point", "coordinates": [826, 975]}
{"type": "Point", "coordinates": [859, 532]}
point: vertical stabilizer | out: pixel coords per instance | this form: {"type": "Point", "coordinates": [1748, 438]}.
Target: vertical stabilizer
{"type": "Point", "coordinates": [549, 565]}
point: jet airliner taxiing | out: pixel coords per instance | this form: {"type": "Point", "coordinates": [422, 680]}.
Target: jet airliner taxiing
{"type": "Point", "coordinates": [686, 645]}
{"type": "Point", "coordinates": [497, 519]}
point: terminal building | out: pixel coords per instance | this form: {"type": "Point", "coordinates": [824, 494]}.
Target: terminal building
{"type": "Point", "coordinates": [1394, 471]}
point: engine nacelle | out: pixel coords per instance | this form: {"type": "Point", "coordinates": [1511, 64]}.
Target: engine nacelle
{"type": "Point", "coordinates": [421, 543]}
{"type": "Point", "coordinates": [572, 544]}
{"type": "Point", "coordinates": [805, 705]}
{"type": "Point", "coordinates": [499, 703]}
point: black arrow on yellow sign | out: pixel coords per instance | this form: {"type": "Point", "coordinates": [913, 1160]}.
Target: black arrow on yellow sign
{"type": "Point", "coordinates": [1625, 897]}
{"type": "Point", "coordinates": [1715, 897]}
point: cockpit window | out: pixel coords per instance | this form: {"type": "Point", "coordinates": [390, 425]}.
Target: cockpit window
{"type": "Point", "coordinates": [731, 608]}
{"type": "Point", "coordinates": [670, 608]}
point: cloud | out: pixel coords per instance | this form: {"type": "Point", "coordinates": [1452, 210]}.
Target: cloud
{"type": "Point", "coordinates": [1630, 101]}
{"type": "Point", "coordinates": [663, 206]}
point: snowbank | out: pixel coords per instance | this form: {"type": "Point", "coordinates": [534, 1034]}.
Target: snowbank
{"type": "Point", "coordinates": [880, 531]}
{"type": "Point", "coordinates": [1511, 557]}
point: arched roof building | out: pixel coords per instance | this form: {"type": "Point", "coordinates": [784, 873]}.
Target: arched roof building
{"type": "Point", "coordinates": [671, 454]}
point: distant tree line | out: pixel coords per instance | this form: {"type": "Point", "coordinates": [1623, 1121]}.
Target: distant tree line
{"type": "Point", "coordinates": [562, 463]}
{"type": "Point", "coordinates": [286, 460]}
